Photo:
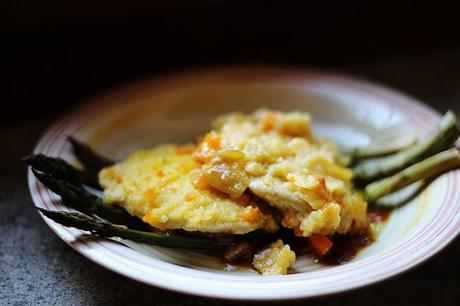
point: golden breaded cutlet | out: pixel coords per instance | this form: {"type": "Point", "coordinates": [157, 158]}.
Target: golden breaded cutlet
{"type": "Point", "coordinates": [165, 188]}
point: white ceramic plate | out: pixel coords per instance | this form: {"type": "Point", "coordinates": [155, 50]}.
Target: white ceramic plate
{"type": "Point", "coordinates": [177, 108]}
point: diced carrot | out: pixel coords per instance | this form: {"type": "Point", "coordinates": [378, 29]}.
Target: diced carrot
{"type": "Point", "coordinates": [184, 150]}
{"type": "Point", "coordinates": [213, 140]}
{"type": "Point", "coordinates": [114, 175]}
{"type": "Point", "coordinates": [200, 181]}
{"type": "Point", "coordinates": [252, 215]}
{"type": "Point", "coordinates": [149, 192]}
{"type": "Point", "coordinates": [160, 173]}
{"type": "Point", "coordinates": [321, 244]}
{"type": "Point", "coordinates": [206, 149]}
{"type": "Point", "coordinates": [190, 197]}
{"type": "Point", "coordinates": [268, 122]}
{"type": "Point", "coordinates": [152, 203]}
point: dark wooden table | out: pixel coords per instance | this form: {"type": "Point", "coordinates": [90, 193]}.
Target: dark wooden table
{"type": "Point", "coordinates": [36, 267]}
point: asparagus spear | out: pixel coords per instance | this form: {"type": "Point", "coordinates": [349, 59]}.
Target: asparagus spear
{"type": "Point", "coordinates": [401, 196]}
{"type": "Point", "coordinates": [447, 134]}
{"type": "Point", "coordinates": [391, 140]}
{"type": "Point", "coordinates": [432, 166]}
{"type": "Point", "coordinates": [80, 199]}
{"type": "Point", "coordinates": [367, 152]}
{"type": "Point", "coordinates": [88, 157]}
{"type": "Point", "coordinates": [60, 169]}
{"type": "Point", "coordinates": [105, 229]}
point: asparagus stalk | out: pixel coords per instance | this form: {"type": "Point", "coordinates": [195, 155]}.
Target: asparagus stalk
{"type": "Point", "coordinates": [376, 151]}
{"type": "Point", "coordinates": [105, 229]}
{"type": "Point", "coordinates": [390, 140]}
{"type": "Point", "coordinates": [432, 166]}
{"type": "Point", "coordinates": [446, 135]}
{"type": "Point", "coordinates": [401, 196]}
{"type": "Point", "coordinates": [80, 199]}
{"type": "Point", "coordinates": [60, 169]}
{"type": "Point", "coordinates": [88, 157]}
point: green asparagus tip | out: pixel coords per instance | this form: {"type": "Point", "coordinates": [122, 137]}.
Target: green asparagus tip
{"type": "Point", "coordinates": [61, 169]}
{"type": "Point", "coordinates": [80, 199]}
{"type": "Point", "coordinates": [32, 159]}
{"type": "Point", "coordinates": [76, 143]}
{"type": "Point", "coordinates": [87, 156]}
{"type": "Point", "coordinates": [42, 162]}
{"type": "Point", "coordinates": [27, 158]}
{"type": "Point", "coordinates": [64, 217]}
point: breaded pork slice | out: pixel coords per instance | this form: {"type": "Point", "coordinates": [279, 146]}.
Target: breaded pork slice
{"type": "Point", "coordinates": [166, 188]}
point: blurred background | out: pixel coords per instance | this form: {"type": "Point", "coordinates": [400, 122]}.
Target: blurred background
{"type": "Point", "coordinates": [57, 53]}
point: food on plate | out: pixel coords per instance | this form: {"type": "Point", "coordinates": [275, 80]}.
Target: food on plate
{"type": "Point", "coordinates": [257, 187]}
{"type": "Point", "coordinates": [209, 187]}
{"type": "Point", "coordinates": [165, 188]}
{"type": "Point", "coordinates": [275, 259]}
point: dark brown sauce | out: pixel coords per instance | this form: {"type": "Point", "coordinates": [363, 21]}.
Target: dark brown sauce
{"type": "Point", "coordinates": [378, 215]}
{"type": "Point", "coordinates": [344, 248]}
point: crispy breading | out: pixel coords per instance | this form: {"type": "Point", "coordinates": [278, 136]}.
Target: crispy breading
{"type": "Point", "coordinates": [205, 187]}
{"type": "Point", "coordinates": [162, 187]}
{"type": "Point", "coordinates": [291, 169]}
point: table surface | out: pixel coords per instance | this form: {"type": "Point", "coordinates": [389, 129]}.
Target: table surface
{"type": "Point", "coordinates": [36, 267]}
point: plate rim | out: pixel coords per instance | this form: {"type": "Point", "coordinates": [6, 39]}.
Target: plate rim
{"type": "Point", "coordinates": [251, 72]}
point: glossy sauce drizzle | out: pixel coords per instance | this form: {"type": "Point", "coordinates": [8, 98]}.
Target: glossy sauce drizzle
{"type": "Point", "coordinates": [346, 247]}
